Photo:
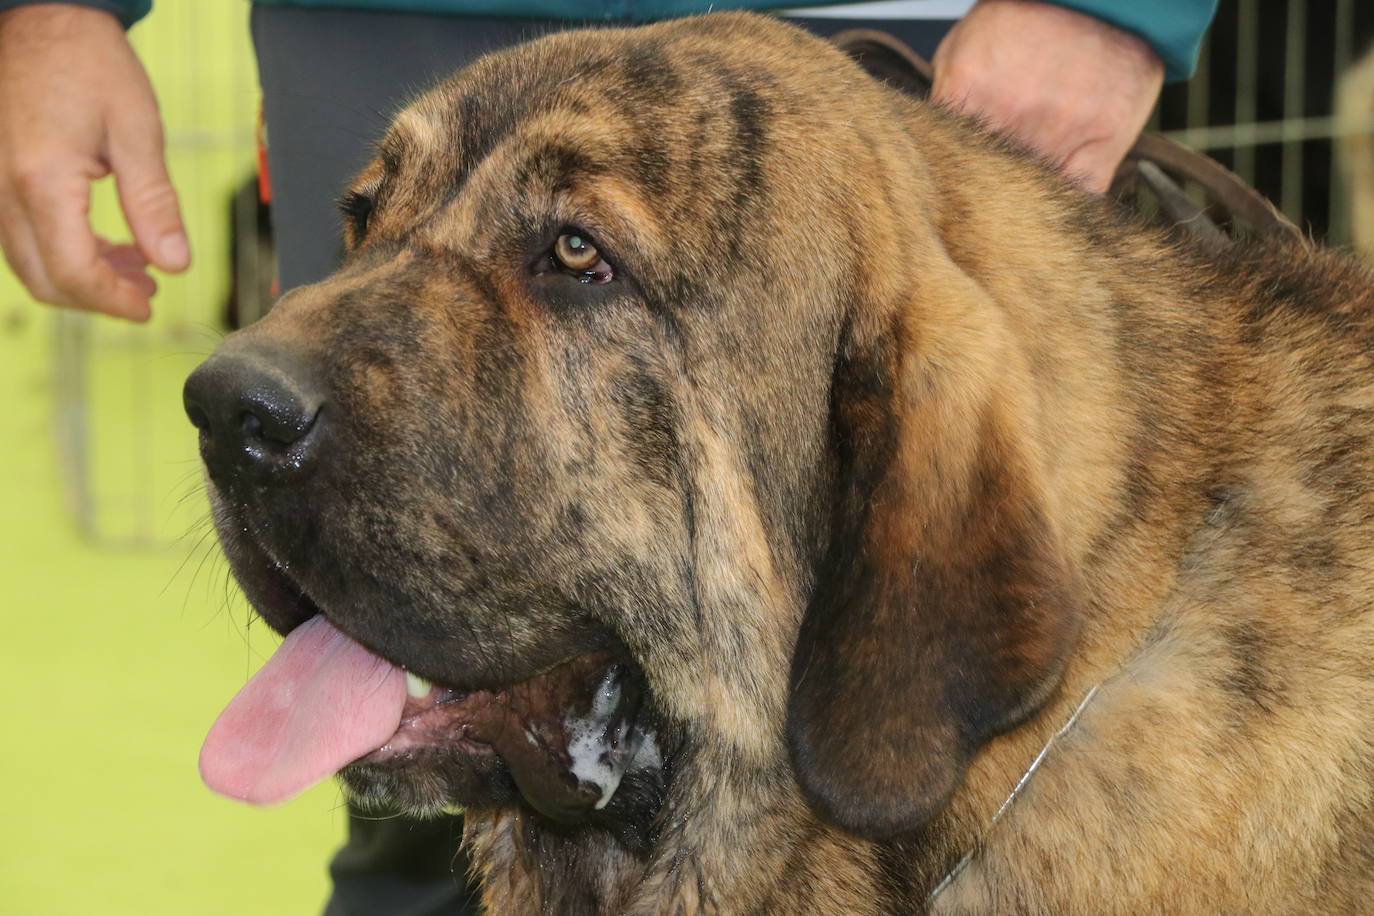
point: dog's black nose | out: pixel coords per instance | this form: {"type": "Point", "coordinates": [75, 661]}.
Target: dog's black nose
{"type": "Point", "coordinates": [259, 412]}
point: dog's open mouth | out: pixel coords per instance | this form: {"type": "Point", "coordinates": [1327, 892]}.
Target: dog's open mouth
{"type": "Point", "coordinates": [565, 737]}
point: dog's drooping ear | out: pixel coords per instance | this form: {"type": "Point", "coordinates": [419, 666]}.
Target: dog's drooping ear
{"type": "Point", "coordinates": [944, 607]}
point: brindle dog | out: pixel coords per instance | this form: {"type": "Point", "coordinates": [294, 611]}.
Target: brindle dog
{"type": "Point", "coordinates": [805, 503]}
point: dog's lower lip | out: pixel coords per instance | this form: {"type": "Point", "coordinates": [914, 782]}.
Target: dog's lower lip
{"type": "Point", "coordinates": [433, 698]}
{"type": "Point", "coordinates": [566, 735]}
{"type": "Point", "coordinates": [412, 733]}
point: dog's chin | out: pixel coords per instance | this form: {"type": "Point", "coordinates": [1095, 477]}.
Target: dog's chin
{"type": "Point", "coordinates": [425, 782]}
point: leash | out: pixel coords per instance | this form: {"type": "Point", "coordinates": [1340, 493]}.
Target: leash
{"type": "Point", "coordinates": [1159, 177]}
{"type": "Point", "coordinates": [959, 866]}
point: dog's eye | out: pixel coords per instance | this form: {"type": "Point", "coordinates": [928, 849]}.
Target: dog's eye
{"type": "Point", "coordinates": [576, 254]}
{"type": "Point", "coordinates": [357, 209]}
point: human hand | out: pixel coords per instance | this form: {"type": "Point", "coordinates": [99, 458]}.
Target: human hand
{"type": "Point", "coordinates": [1071, 87]}
{"type": "Point", "coordinates": [75, 106]}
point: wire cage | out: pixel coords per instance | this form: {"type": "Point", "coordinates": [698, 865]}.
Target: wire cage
{"type": "Point", "coordinates": [1262, 103]}
{"type": "Point", "coordinates": [126, 453]}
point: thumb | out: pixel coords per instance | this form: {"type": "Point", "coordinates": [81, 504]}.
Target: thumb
{"type": "Point", "coordinates": [146, 193]}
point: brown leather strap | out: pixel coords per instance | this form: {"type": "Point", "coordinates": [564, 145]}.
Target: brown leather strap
{"type": "Point", "coordinates": [1160, 169]}
{"type": "Point", "coordinates": [887, 58]}
{"type": "Point", "coordinates": [1159, 177]}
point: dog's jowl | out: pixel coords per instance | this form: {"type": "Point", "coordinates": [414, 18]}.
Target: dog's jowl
{"type": "Point", "coordinates": [745, 489]}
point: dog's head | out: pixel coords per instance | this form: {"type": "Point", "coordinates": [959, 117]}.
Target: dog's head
{"type": "Point", "coordinates": [650, 423]}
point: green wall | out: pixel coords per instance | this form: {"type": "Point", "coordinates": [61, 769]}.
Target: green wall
{"type": "Point", "coordinates": [116, 657]}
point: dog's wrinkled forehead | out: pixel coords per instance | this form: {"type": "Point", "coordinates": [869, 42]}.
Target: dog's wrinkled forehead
{"type": "Point", "coordinates": [678, 120]}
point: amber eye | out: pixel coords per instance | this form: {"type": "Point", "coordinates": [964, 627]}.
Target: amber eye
{"type": "Point", "coordinates": [357, 207]}
{"type": "Point", "coordinates": [576, 252]}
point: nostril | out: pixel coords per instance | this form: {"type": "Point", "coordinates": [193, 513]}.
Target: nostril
{"type": "Point", "coordinates": [198, 417]}
{"type": "Point", "coordinates": [275, 422]}
{"type": "Point", "coordinates": [250, 426]}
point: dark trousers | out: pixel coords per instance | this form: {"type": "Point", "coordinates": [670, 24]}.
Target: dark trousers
{"type": "Point", "coordinates": [331, 82]}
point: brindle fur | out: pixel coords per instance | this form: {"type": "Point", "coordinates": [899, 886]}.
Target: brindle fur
{"type": "Point", "coordinates": [879, 392]}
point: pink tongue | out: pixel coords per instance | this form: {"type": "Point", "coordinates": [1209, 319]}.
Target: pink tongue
{"type": "Point", "coordinates": [321, 701]}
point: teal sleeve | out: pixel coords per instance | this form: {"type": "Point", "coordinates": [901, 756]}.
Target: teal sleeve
{"type": "Point", "coordinates": [1174, 28]}
{"type": "Point", "coordinates": [127, 11]}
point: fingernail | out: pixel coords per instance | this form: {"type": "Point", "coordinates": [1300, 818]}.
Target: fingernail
{"type": "Point", "coordinates": [174, 251]}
